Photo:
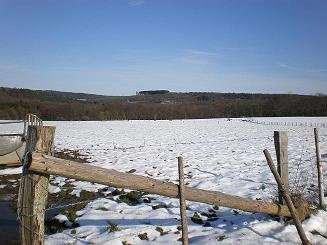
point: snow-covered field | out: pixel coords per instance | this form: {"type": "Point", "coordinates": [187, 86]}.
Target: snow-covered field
{"type": "Point", "coordinates": [219, 154]}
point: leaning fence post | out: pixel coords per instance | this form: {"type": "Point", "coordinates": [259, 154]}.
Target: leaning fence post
{"type": "Point", "coordinates": [320, 170]}
{"type": "Point", "coordinates": [33, 191]}
{"type": "Point", "coordinates": [182, 204]}
{"type": "Point", "coordinates": [287, 197]}
{"type": "Point", "coordinates": [281, 143]}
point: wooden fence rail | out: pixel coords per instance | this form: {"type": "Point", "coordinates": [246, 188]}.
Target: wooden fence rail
{"type": "Point", "coordinates": [45, 164]}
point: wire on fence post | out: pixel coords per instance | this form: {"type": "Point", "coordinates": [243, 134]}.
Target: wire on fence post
{"type": "Point", "coordinates": [182, 203]}
{"type": "Point", "coordinates": [33, 191]}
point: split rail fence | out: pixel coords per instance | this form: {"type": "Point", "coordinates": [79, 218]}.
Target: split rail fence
{"type": "Point", "coordinates": [39, 165]}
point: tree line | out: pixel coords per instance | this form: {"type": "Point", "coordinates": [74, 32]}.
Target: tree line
{"type": "Point", "coordinates": [54, 105]}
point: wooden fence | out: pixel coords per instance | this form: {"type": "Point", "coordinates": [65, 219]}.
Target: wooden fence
{"type": "Point", "coordinates": [293, 124]}
{"type": "Point", "coordinates": [39, 165]}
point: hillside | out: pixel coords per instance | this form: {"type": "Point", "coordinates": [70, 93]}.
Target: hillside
{"type": "Point", "coordinates": [55, 105]}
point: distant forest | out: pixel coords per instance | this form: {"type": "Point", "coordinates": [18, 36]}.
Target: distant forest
{"type": "Point", "coordinates": [54, 105]}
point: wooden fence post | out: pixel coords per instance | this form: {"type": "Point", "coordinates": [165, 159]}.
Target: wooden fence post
{"type": "Point", "coordinates": [281, 143]}
{"type": "Point", "coordinates": [182, 204]}
{"type": "Point", "coordinates": [320, 170]}
{"type": "Point", "coordinates": [33, 191]}
{"type": "Point", "coordinates": [288, 200]}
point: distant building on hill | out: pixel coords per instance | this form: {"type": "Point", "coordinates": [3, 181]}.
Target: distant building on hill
{"type": "Point", "coordinates": [152, 92]}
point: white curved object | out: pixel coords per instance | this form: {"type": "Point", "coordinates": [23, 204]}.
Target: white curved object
{"type": "Point", "coordinates": [10, 143]}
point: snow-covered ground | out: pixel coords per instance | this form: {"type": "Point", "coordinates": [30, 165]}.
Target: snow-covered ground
{"type": "Point", "coordinates": [219, 154]}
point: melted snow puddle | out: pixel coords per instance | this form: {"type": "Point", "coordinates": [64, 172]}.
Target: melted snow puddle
{"type": "Point", "coordinates": [9, 233]}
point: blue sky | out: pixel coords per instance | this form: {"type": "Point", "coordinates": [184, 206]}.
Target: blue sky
{"type": "Point", "coordinates": [117, 47]}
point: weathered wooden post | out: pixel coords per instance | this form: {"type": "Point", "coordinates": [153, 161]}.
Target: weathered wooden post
{"type": "Point", "coordinates": [33, 191]}
{"type": "Point", "coordinates": [320, 170]}
{"type": "Point", "coordinates": [182, 204]}
{"type": "Point", "coordinates": [287, 197]}
{"type": "Point", "coordinates": [281, 143]}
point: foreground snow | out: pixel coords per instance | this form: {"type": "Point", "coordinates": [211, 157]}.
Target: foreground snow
{"type": "Point", "coordinates": [219, 154]}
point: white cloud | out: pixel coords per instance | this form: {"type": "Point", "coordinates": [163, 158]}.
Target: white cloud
{"type": "Point", "coordinates": [136, 2]}
{"type": "Point", "coordinates": [9, 67]}
{"type": "Point", "coordinates": [201, 53]}
{"type": "Point", "coordinates": [237, 49]}
{"type": "Point", "coordinates": [198, 57]}
{"type": "Point", "coordinates": [300, 69]}
{"type": "Point", "coordinates": [13, 68]}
